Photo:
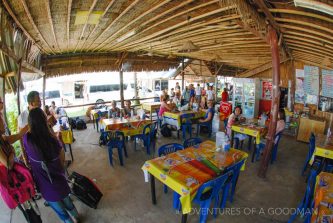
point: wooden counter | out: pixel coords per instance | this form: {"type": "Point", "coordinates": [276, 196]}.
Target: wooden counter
{"type": "Point", "coordinates": [308, 125]}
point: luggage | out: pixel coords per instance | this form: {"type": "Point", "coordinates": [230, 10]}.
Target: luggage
{"type": "Point", "coordinates": [85, 190]}
{"type": "Point", "coordinates": [80, 124]}
{"type": "Point", "coordinates": [72, 123]}
{"type": "Point", "coordinates": [166, 131]}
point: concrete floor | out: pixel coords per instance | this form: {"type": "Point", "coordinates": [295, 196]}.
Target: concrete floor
{"type": "Point", "coordinates": [127, 197]}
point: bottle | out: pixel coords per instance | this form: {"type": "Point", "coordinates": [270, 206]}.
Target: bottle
{"type": "Point", "coordinates": [132, 113]}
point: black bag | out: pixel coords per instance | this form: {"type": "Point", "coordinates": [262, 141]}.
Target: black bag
{"type": "Point", "coordinates": [80, 124]}
{"type": "Point", "coordinates": [30, 214]}
{"type": "Point", "coordinates": [166, 131]}
{"type": "Point", "coordinates": [72, 123]}
{"type": "Point", "coordinates": [85, 190]}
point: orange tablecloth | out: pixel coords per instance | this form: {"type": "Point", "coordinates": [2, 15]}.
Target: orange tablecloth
{"type": "Point", "coordinates": [186, 170]}
{"type": "Point", "coordinates": [323, 199]}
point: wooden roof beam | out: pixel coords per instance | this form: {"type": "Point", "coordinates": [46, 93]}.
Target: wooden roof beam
{"type": "Point", "coordinates": [85, 24]}
{"type": "Point", "coordinates": [31, 20]}
{"type": "Point", "coordinates": [257, 70]}
{"type": "Point", "coordinates": [96, 26]}
{"type": "Point", "coordinates": [11, 13]}
{"type": "Point", "coordinates": [49, 17]}
{"type": "Point", "coordinates": [69, 9]}
{"type": "Point", "coordinates": [261, 4]}
{"type": "Point", "coordinates": [113, 22]}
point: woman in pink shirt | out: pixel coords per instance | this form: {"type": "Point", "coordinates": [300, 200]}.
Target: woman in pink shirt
{"type": "Point", "coordinates": [164, 106]}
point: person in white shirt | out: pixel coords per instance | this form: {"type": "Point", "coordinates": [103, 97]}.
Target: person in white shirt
{"type": "Point", "coordinates": [33, 102]}
{"type": "Point", "coordinates": [198, 93]}
{"type": "Point", "coordinates": [53, 109]}
{"type": "Point", "coordinates": [210, 94]}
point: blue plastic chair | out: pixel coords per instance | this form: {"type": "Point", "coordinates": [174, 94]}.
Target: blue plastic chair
{"type": "Point", "coordinates": [167, 149]}
{"type": "Point", "coordinates": [312, 146]}
{"type": "Point", "coordinates": [145, 137]}
{"type": "Point", "coordinates": [259, 148]}
{"type": "Point", "coordinates": [207, 192]}
{"type": "Point", "coordinates": [186, 124]}
{"type": "Point", "coordinates": [236, 168]}
{"type": "Point", "coordinates": [117, 140]}
{"type": "Point", "coordinates": [307, 200]}
{"type": "Point", "coordinates": [192, 142]}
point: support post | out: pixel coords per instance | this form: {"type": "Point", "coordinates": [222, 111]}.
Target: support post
{"type": "Point", "coordinates": [216, 72]}
{"type": "Point", "coordinates": [293, 83]}
{"type": "Point", "coordinates": [183, 68]}
{"type": "Point", "coordinates": [275, 102]}
{"type": "Point", "coordinates": [121, 78]}
{"type": "Point", "coordinates": [135, 85]}
{"type": "Point", "coordinates": [4, 99]}
{"type": "Point", "coordinates": [44, 86]}
{"type": "Point", "coordinates": [19, 86]}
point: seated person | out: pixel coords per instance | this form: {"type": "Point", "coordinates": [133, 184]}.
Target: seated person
{"type": "Point", "coordinates": [50, 118]}
{"type": "Point", "coordinates": [176, 99]}
{"type": "Point", "coordinates": [53, 109]}
{"type": "Point", "coordinates": [203, 102]}
{"type": "Point", "coordinates": [235, 118]}
{"type": "Point", "coordinates": [164, 106]}
{"type": "Point", "coordinates": [209, 113]}
{"type": "Point", "coordinates": [114, 112]}
{"type": "Point", "coordinates": [127, 109]}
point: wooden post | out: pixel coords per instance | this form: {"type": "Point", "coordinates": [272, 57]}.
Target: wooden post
{"type": "Point", "coordinates": [275, 102]}
{"type": "Point", "coordinates": [19, 86]}
{"type": "Point", "coordinates": [135, 85]}
{"type": "Point", "coordinates": [183, 68]}
{"type": "Point", "coordinates": [121, 78]}
{"type": "Point", "coordinates": [216, 72]}
{"type": "Point", "coordinates": [44, 86]}
{"type": "Point", "coordinates": [4, 99]}
{"type": "Point", "coordinates": [293, 84]}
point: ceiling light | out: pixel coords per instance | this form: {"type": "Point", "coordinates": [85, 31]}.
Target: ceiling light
{"type": "Point", "coordinates": [188, 47]}
{"type": "Point", "coordinates": [315, 5]}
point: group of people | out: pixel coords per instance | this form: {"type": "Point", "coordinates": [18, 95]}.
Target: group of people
{"type": "Point", "coordinates": [45, 156]}
{"type": "Point", "coordinates": [115, 112]}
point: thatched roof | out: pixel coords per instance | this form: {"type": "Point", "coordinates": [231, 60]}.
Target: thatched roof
{"type": "Point", "coordinates": [232, 32]}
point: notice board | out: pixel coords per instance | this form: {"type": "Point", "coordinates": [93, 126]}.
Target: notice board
{"type": "Point", "coordinates": [327, 83]}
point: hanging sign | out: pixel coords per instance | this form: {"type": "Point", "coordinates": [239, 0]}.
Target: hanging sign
{"type": "Point", "coordinates": [327, 83]}
{"type": "Point", "coordinates": [299, 91]}
{"type": "Point", "coordinates": [311, 80]}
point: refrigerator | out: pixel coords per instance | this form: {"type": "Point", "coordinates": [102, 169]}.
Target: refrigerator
{"type": "Point", "coordinates": [246, 93]}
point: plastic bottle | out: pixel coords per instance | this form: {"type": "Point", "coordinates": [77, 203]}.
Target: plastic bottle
{"type": "Point", "coordinates": [132, 113]}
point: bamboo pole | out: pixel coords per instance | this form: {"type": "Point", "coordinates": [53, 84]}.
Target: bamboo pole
{"type": "Point", "coordinates": [19, 86]}
{"type": "Point", "coordinates": [121, 77]}
{"type": "Point", "coordinates": [135, 85]}
{"type": "Point", "coordinates": [183, 71]}
{"type": "Point", "coordinates": [273, 39]}
{"type": "Point", "coordinates": [44, 86]}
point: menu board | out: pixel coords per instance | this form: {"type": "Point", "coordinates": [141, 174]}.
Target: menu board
{"type": "Point", "coordinates": [327, 83]}
{"type": "Point", "coordinates": [311, 80]}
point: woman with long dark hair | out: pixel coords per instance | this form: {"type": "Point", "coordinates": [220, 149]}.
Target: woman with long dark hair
{"type": "Point", "coordinates": [46, 157]}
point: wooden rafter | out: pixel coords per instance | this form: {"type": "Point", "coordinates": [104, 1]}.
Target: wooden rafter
{"type": "Point", "coordinates": [132, 22]}
{"type": "Point", "coordinates": [49, 16]}
{"type": "Point", "coordinates": [303, 23]}
{"type": "Point", "coordinates": [31, 20]}
{"type": "Point", "coordinates": [96, 26]}
{"type": "Point", "coordinates": [271, 19]}
{"type": "Point", "coordinates": [113, 22]}
{"type": "Point", "coordinates": [85, 23]}
{"type": "Point", "coordinates": [307, 30]}
{"type": "Point", "coordinates": [302, 13]}
{"type": "Point", "coordinates": [11, 13]}
{"type": "Point", "coordinates": [69, 9]}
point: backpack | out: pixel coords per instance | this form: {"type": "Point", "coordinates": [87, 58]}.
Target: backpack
{"type": "Point", "coordinates": [80, 124]}
{"type": "Point", "coordinates": [72, 123]}
{"type": "Point", "coordinates": [166, 131]}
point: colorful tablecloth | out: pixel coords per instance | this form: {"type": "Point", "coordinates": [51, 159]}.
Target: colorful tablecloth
{"type": "Point", "coordinates": [173, 118]}
{"type": "Point", "coordinates": [151, 107]}
{"type": "Point", "coordinates": [323, 197]}
{"type": "Point", "coordinates": [129, 127]}
{"type": "Point", "coordinates": [186, 170]}
{"type": "Point", "coordinates": [66, 136]}
{"type": "Point", "coordinates": [324, 147]}
{"type": "Point", "coordinates": [251, 130]}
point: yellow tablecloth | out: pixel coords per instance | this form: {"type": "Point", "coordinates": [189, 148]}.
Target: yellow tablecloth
{"type": "Point", "coordinates": [254, 131]}
{"type": "Point", "coordinates": [129, 127]}
{"type": "Point", "coordinates": [151, 106]}
{"type": "Point", "coordinates": [173, 118]}
{"type": "Point", "coordinates": [178, 172]}
{"type": "Point", "coordinates": [323, 197]}
{"type": "Point", "coordinates": [324, 147]}
{"type": "Point", "coordinates": [67, 136]}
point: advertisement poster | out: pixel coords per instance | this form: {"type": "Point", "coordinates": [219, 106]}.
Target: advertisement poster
{"type": "Point", "coordinates": [311, 80]}
{"type": "Point", "coordinates": [327, 83]}
{"type": "Point", "coordinates": [267, 90]}
{"type": "Point", "coordinates": [299, 91]}
{"type": "Point", "coordinates": [157, 85]}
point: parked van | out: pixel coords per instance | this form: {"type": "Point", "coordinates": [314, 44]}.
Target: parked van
{"type": "Point", "coordinates": [108, 91]}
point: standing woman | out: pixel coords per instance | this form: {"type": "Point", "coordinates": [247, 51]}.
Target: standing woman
{"type": "Point", "coordinates": [46, 157]}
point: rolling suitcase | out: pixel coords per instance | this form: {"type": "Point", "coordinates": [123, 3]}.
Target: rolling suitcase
{"type": "Point", "coordinates": [85, 190]}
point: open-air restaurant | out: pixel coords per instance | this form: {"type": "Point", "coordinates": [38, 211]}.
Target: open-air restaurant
{"type": "Point", "coordinates": [166, 111]}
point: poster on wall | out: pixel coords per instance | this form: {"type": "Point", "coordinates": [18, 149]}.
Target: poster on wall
{"type": "Point", "coordinates": [327, 83]}
{"type": "Point", "coordinates": [266, 90]}
{"type": "Point", "coordinates": [299, 91]}
{"type": "Point", "coordinates": [311, 80]}
{"type": "Point", "coordinates": [157, 85]}
{"type": "Point", "coordinates": [311, 99]}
